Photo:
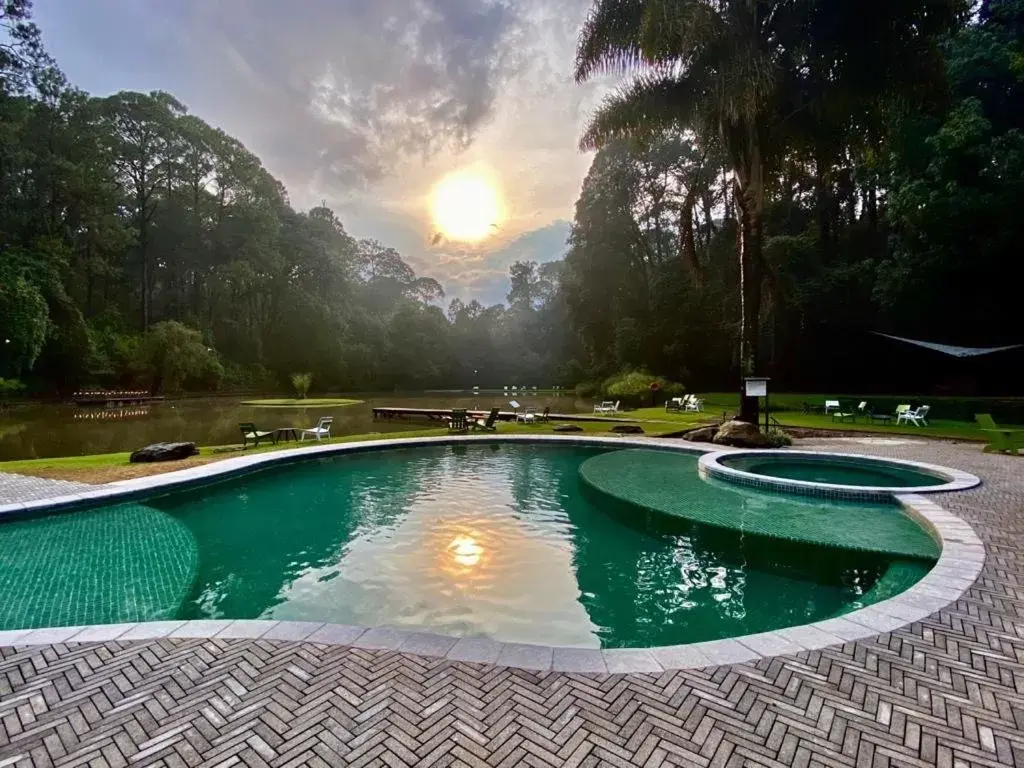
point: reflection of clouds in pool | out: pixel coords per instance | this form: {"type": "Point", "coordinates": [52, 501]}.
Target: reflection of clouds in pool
{"type": "Point", "coordinates": [465, 559]}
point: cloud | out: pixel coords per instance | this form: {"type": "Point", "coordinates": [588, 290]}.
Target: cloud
{"type": "Point", "coordinates": [366, 104]}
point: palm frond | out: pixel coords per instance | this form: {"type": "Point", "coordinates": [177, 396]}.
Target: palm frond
{"type": "Point", "coordinates": [609, 39]}
{"type": "Point", "coordinates": [652, 103]}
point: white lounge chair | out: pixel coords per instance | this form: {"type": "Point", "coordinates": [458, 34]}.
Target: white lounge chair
{"type": "Point", "coordinates": [528, 416]}
{"type": "Point", "coordinates": [603, 407]}
{"type": "Point", "coordinates": [916, 416]}
{"type": "Point", "coordinates": [693, 403]}
{"type": "Point", "coordinates": [321, 430]}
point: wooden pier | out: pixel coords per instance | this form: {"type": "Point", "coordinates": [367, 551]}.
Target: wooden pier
{"type": "Point", "coordinates": [114, 397]}
{"type": "Point", "coordinates": [443, 414]}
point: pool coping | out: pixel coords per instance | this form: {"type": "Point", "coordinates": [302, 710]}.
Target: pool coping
{"type": "Point", "coordinates": [711, 465]}
{"type": "Point", "coordinates": [960, 561]}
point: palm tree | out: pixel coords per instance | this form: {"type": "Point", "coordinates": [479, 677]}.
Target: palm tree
{"type": "Point", "coordinates": [746, 74]}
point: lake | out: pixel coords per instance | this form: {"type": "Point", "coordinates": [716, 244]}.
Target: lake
{"type": "Point", "coordinates": [45, 431]}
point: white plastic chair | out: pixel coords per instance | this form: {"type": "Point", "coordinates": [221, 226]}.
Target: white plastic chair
{"type": "Point", "coordinates": [917, 416]}
{"type": "Point", "coordinates": [832, 405]}
{"type": "Point", "coordinates": [605, 406]}
{"type": "Point", "coordinates": [321, 430]}
{"type": "Point", "coordinates": [528, 416]}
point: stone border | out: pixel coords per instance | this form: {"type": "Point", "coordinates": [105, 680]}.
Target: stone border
{"type": "Point", "coordinates": [959, 564]}
{"type": "Point", "coordinates": [711, 465]}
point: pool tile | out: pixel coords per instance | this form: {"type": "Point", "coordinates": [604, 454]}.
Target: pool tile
{"type": "Point", "coordinates": [479, 650]}
{"type": "Point", "coordinates": [384, 638]}
{"type": "Point", "coordinates": [526, 656]}
{"type": "Point", "coordinates": [246, 628]}
{"type": "Point", "coordinates": [202, 628]}
{"type": "Point", "coordinates": [427, 644]}
{"type": "Point", "coordinates": [336, 634]}
{"type": "Point", "coordinates": [631, 660]}
{"type": "Point", "coordinates": [50, 635]}
{"type": "Point", "coordinates": [770, 644]}
{"type": "Point", "coordinates": [844, 628]}
{"type": "Point", "coordinates": [810, 636]}
{"type": "Point", "coordinates": [292, 630]}
{"type": "Point", "coordinates": [585, 660]}
{"type": "Point", "coordinates": [726, 652]}
{"type": "Point", "coordinates": [151, 630]}
{"type": "Point", "coordinates": [102, 633]}
{"type": "Point", "coordinates": [680, 657]}
{"type": "Point", "coordinates": [10, 637]}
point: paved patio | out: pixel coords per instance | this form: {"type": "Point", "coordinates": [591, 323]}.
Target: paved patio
{"type": "Point", "coordinates": [945, 691]}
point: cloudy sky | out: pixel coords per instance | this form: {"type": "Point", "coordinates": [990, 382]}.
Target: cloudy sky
{"type": "Point", "coordinates": [367, 104]}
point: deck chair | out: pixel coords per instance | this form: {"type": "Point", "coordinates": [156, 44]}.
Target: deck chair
{"type": "Point", "coordinates": [604, 407]}
{"type": "Point", "coordinates": [321, 430]}
{"type": "Point", "coordinates": [844, 413]}
{"type": "Point", "coordinates": [459, 421]}
{"type": "Point", "coordinates": [674, 404]}
{"type": "Point", "coordinates": [249, 432]}
{"type": "Point", "coordinates": [528, 416]}
{"type": "Point", "coordinates": [1000, 439]}
{"type": "Point", "coordinates": [693, 404]}
{"type": "Point", "coordinates": [916, 416]}
{"type": "Point", "coordinates": [488, 424]}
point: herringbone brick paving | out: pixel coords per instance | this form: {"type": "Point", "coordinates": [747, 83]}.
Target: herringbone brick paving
{"type": "Point", "coordinates": [945, 691]}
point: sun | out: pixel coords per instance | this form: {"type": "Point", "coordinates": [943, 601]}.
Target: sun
{"type": "Point", "coordinates": [465, 207]}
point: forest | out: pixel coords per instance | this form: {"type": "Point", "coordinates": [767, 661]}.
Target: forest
{"type": "Point", "coordinates": [772, 183]}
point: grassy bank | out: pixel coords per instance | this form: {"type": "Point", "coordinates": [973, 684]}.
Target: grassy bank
{"type": "Point", "coordinates": [109, 467]}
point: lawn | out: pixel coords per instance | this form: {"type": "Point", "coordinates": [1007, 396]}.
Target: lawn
{"type": "Point", "coordinates": [109, 467]}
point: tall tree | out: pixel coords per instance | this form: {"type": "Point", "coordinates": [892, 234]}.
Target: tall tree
{"type": "Point", "coordinates": [735, 71]}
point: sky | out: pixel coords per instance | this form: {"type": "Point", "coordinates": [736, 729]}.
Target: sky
{"type": "Point", "coordinates": [366, 105]}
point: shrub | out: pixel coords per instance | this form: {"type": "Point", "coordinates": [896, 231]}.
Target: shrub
{"type": "Point", "coordinates": [172, 353]}
{"type": "Point", "coordinates": [587, 389]}
{"type": "Point", "coordinates": [779, 439]}
{"type": "Point", "coordinates": [302, 382]}
{"type": "Point", "coordinates": [633, 388]}
{"type": "Point", "coordinates": [9, 387]}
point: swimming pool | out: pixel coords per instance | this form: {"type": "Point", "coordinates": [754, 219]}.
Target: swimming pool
{"type": "Point", "coordinates": [479, 539]}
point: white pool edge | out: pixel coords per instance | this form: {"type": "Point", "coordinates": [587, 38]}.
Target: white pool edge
{"type": "Point", "coordinates": [960, 562]}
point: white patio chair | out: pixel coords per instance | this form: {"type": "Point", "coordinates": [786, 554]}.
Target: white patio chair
{"type": "Point", "coordinates": [614, 408]}
{"type": "Point", "coordinates": [917, 416]}
{"type": "Point", "coordinates": [832, 405]}
{"type": "Point", "coordinates": [528, 416]}
{"type": "Point", "coordinates": [604, 406]}
{"type": "Point", "coordinates": [321, 430]}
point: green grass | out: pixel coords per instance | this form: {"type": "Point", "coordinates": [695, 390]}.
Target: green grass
{"type": "Point", "coordinates": [106, 460]}
{"type": "Point", "coordinates": [310, 402]}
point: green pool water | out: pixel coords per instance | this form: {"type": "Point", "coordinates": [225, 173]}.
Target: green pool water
{"type": "Point", "coordinates": [497, 540]}
{"type": "Point", "coordinates": [835, 471]}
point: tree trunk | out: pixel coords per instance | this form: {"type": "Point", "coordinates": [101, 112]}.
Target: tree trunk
{"type": "Point", "coordinates": [749, 213]}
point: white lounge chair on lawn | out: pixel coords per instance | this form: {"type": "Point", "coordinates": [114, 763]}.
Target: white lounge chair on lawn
{"type": "Point", "coordinates": [604, 406]}
{"type": "Point", "coordinates": [528, 416]}
{"type": "Point", "coordinates": [917, 416]}
{"type": "Point", "coordinates": [693, 403]}
{"type": "Point", "coordinates": [322, 429]}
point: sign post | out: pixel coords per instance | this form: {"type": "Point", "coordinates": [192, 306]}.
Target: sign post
{"type": "Point", "coordinates": [757, 386]}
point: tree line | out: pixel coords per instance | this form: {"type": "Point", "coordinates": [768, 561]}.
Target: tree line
{"type": "Point", "coordinates": [775, 180]}
{"type": "Point", "coordinates": [139, 245]}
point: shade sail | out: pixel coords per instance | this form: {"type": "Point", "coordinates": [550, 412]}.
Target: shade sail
{"type": "Point", "coordinates": [948, 349]}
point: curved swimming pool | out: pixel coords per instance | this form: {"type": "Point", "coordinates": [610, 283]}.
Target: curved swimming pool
{"type": "Point", "coordinates": [499, 540]}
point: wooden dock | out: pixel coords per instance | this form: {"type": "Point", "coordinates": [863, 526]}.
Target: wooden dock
{"type": "Point", "coordinates": [443, 414]}
{"type": "Point", "coordinates": [112, 397]}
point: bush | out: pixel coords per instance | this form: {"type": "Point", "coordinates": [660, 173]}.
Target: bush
{"type": "Point", "coordinates": [302, 382]}
{"type": "Point", "coordinates": [633, 388]}
{"type": "Point", "coordinates": [9, 387]}
{"type": "Point", "coordinates": [585, 390]}
{"type": "Point", "coordinates": [779, 439]}
{"type": "Point", "coordinates": [172, 353]}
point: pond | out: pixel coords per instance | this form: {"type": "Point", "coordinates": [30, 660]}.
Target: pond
{"type": "Point", "coordinates": [46, 431]}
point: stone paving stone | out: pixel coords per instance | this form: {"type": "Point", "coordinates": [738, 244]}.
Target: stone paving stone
{"type": "Point", "coordinates": [943, 691]}
{"type": "Point", "coordinates": [17, 489]}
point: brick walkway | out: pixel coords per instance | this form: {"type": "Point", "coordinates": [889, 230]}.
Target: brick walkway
{"type": "Point", "coordinates": [946, 691]}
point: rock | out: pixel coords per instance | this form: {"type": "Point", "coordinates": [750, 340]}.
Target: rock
{"type": "Point", "coordinates": [164, 452]}
{"type": "Point", "coordinates": [701, 435]}
{"type": "Point", "coordinates": [628, 429]}
{"type": "Point", "coordinates": [741, 434]}
{"type": "Point", "coordinates": [567, 428]}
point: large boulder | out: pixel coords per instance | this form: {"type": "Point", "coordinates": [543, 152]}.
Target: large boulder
{"type": "Point", "coordinates": [163, 452]}
{"type": "Point", "coordinates": [701, 435]}
{"type": "Point", "coordinates": [741, 434]}
{"type": "Point", "coordinates": [628, 429]}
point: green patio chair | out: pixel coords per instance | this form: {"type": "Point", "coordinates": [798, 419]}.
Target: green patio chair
{"type": "Point", "coordinates": [488, 424]}
{"type": "Point", "coordinates": [1000, 439]}
{"type": "Point", "coordinates": [249, 432]}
